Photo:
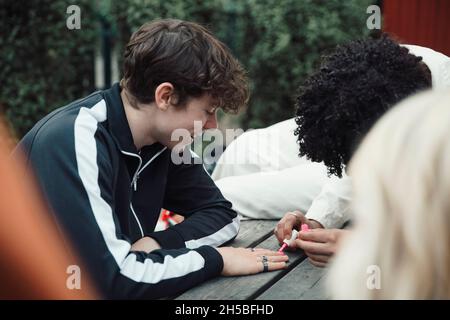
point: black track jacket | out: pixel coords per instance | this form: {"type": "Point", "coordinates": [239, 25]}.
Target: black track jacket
{"type": "Point", "coordinates": [107, 195]}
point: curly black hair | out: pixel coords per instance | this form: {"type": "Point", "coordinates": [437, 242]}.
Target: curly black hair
{"type": "Point", "coordinates": [354, 87]}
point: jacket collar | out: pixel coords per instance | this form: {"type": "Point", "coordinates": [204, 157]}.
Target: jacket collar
{"type": "Point", "coordinates": [120, 129]}
{"type": "Point", "coordinates": [117, 120]}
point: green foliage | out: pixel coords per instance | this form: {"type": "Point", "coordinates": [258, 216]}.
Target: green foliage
{"type": "Point", "coordinates": [288, 38]}
{"type": "Point", "coordinates": [278, 42]}
{"type": "Point", "coordinates": [44, 65]}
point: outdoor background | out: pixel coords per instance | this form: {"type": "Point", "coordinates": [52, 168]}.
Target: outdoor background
{"type": "Point", "coordinates": [44, 65]}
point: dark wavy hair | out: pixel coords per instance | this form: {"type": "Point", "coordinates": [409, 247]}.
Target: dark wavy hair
{"type": "Point", "coordinates": [187, 55]}
{"type": "Point", "coordinates": [354, 87]}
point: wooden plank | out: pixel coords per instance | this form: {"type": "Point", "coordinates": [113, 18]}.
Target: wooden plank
{"type": "Point", "coordinates": [298, 284]}
{"type": "Point", "coordinates": [253, 232]}
{"type": "Point", "coordinates": [243, 287]}
{"type": "Point", "coordinates": [317, 292]}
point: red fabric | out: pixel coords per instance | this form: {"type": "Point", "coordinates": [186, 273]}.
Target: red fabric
{"type": "Point", "coordinates": [421, 22]}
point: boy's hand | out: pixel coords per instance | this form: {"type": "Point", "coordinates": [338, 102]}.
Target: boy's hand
{"type": "Point", "coordinates": [244, 261]}
{"type": "Point", "coordinates": [292, 220]}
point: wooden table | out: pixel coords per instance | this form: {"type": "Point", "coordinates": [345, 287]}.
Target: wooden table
{"type": "Point", "coordinates": [300, 281]}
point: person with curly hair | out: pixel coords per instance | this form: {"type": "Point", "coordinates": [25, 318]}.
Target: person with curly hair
{"type": "Point", "coordinates": [352, 89]}
{"type": "Point", "coordinates": [336, 106]}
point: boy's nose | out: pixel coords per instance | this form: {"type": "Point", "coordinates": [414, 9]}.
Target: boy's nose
{"type": "Point", "coordinates": [211, 123]}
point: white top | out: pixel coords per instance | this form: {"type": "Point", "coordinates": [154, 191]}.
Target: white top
{"type": "Point", "coordinates": [438, 63]}
{"type": "Point", "coordinates": [332, 207]}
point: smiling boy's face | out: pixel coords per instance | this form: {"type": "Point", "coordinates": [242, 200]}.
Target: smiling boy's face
{"type": "Point", "coordinates": [195, 116]}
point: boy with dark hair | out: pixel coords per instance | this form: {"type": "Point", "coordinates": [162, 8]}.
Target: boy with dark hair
{"type": "Point", "coordinates": [104, 164]}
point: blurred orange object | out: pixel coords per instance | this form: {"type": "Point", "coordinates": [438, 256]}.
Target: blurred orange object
{"type": "Point", "coordinates": [35, 261]}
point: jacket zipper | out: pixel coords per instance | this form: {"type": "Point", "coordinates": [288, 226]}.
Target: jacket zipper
{"type": "Point", "coordinates": [135, 179]}
{"type": "Point", "coordinates": [134, 185]}
{"type": "Point", "coordinates": [137, 220]}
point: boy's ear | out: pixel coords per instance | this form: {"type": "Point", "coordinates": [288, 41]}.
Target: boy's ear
{"type": "Point", "coordinates": [164, 95]}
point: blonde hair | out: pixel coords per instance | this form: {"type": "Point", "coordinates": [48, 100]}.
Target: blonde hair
{"type": "Point", "coordinates": [401, 189]}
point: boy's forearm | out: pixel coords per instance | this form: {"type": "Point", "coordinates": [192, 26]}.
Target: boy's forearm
{"type": "Point", "coordinates": [146, 245]}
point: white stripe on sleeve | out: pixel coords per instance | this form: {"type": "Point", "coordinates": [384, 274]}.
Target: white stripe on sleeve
{"type": "Point", "coordinates": [218, 238]}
